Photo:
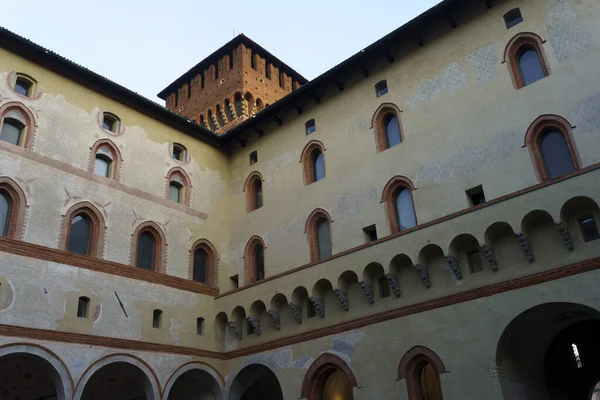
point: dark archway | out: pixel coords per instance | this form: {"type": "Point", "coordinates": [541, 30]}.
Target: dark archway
{"type": "Point", "coordinates": [27, 376]}
{"type": "Point", "coordinates": [328, 378]}
{"type": "Point", "coordinates": [255, 382]}
{"type": "Point", "coordinates": [118, 381]}
{"type": "Point", "coordinates": [195, 384]}
{"type": "Point", "coordinates": [536, 357]}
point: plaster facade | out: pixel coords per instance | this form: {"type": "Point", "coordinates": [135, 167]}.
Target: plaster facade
{"type": "Point", "coordinates": [377, 306]}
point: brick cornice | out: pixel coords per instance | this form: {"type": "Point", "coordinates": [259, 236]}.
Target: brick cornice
{"type": "Point", "coordinates": [95, 264]}
{"type": "Point", "coordinates": [457, 298]}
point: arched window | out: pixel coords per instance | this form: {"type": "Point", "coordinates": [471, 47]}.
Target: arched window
{"type": "Point", "coordinates": [313, 161]}
{"type": "Point", "coordinates": [111, 122]}
{"type": "Point", "coordinates": [203, 262]}
{"type": "Point", "coordinates": [550, 142]}
{"type": "Point", "coordinates": [83, 307]}
{"type": "Point", "coordinates": [525, 58]}
{"type": "Point", "coordinates": [254, 192]}
{"type": "Point", "coordinates": [83, 230]}
{"type": "Point", "coordinates": [12, 209]}
{"type": "Point", "coordinates": [148, 248]}
{"type": "Point", "coordinates": [105, 159]}
{"type": "Point", "coordinates": [80, 234]}
{"type": "Point", "coordinates": [328, 378]}
{"type": "Point", "coordinates": [254, 257]}
{"type": "Point", "coordinates": [12, 131]}
{"type": "Point", "coordinates": [5, 212]}
{"type": "Point", "coordinates": [199, 326]}
{"type": "Point", "coordinates": [421, 368]}
{"type": "Point", "coordinates": [179, 152]}
{"type": "Point", "coordinates": [386, 124]}
{"type": "Point", "coordinates": [179, 186]}
{"type": "Point", "coordinates": [25, 85]}
{"type": "Point", "coordinates": [16, 124]}
{"type": "Point", "coordinates": [397, 195]}
{"type": "Point", "coordinates": [318, 230]}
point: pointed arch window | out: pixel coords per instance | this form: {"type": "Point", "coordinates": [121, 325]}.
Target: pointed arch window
{"type": "Point", "coordinates": [16, 124]}
{"type": "Point", "coordinates": [526, 60]}
{"type": "Point", "coordinates": [148, 250]}
{"type": "Point", "coordinates": [421, 368]}
{"type": "Point", "coordinates": [313, 160]}
{"type": "Point", "coordinates": [105, 159]}
{"type": "Point", "coordinates": [5, 212]}
{"type": "Point", "coordinates": [387, 126]}
{"type": "Point", "coordinates": [83, 230]}
{"type": "Point", "coordinates": [203, 262]}
{"type": "Point", "coordinates": [318, 230]}
{"type": "Point", "coordinates": [398, 198]}
{"type": "Point", "coordinates": [12, 209]}
{"type": "Point", "coordinates": [254, 192]}
{"type": "Point", "coordinates": [80, 234]}
{"type": "Point", "coordinates": [179, 187]}
{"type": "Point", "coordinates": [255, 260]}
{"type": "Point", "coordinates": [552, 147]}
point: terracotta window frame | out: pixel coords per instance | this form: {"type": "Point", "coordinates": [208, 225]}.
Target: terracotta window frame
{"type": "Point", "coordinates": [318, 372]}
{"type": "Point", "coordinates": [115, 169]}
{"type": "Point", "coordinates": [249, 190]}
{"type": "Point", "coordinates": [31, 91]}
{"type": "Point", "coordinates": [310, 229]}
{"type": "Point", "coordinates": [519, 42]}
{"type": "Point", "coordinates": [388, 197]}
{"type": "Point", "coordinates": [160, 249]}
{"type": "Point", "coordinates": [410, 367]}
{"type": "Point", "coordinates": [536, 131]}
{"type": "Point", "coordinates": [179, 175]}
{"type": "Point", "coordinates": [378, 124]}
{"type": "Point", "coordinates": [249, 257]}
{"type": "Point", "coordinates": [19, 112]}
{"type": "Point", "coordinates": [213, 260]}
{"type": "Point", "coordinates": [97, 231]}
{"type": "Point", "coordinates": [18, 207]}
{"type": "Point", "coordinates": [306, 160]}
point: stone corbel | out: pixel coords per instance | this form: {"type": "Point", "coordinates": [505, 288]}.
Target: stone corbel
{"type": "Point", "coordinates": [223, 115]}
{"type": "Point", "coordinates": [319, 305]}
{"type": "Point", "coordinates": [488, 252]}
{"type": "Point", "coordinates": [244, 106]}
{"type": "Point", "coordinates": [342, 298]}
{"type": "Point", "coordinates": [232, 109]}
{"type": "Point", "coordinates": [235, 330]}
{"type": "Point", "coordinates": [367, 289]}
{"type": "Point", "coordinates": [297, 311]}
{"type": "Point", "coordinates": [393, 283]}
{"type": "Point", "coordinates": [255, 323]}
{"type": "Point", "coordinates": [524, 243]}
{"type": "Point", "coordinates": [454, 266]}
{"type": "Point", "coordinates": [215, 121]}
{"type": "Point", "coordinates": [275, 318]}
{"type": "Point", "coordinates": [566, 236]}
{"type": "Point", "coordinates": [423, 272]}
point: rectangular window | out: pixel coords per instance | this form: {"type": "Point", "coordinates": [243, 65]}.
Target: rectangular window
{"type": "Point", "coordinates": [254, 157]}
{"type": "Point", "coordinates": [310, 126]}
{"type": "Point", "coordinates": [199, 326]}
{"type": "Point", "coordinates": [268, 70]}
{"type": "Point", "coordinates": [252, 60]}
{"type": "Point", "coordinates": [82, 307]}
{"type": "Point", "coordinates": [311, 311]}
{"type": "Point", "coordinates": [384, 287]}
{"type": "Point", "coordinates": [156, 319]}
{"type": "Point", "coordinates": [589, 229]}
{"type": "Point", "coordinates": [230, 59]}
{"type": "Point", "coordinates": [476, 196]}
{"type": "Point", "coordinates": [370, 233]}
{"type": "Point", "coordinates": [474, 259]}
{"type": "Point", "coordinates": [235, 282]}
{"type": "Point", "coordinates": [381, 88]}
{"type": "Point", "coordinates": [281, 80]}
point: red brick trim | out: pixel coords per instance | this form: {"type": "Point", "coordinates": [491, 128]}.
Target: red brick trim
{"type": "Point", "coordinates": [319, 371]}
{"type": "Point", "coordinates": [97, 240]}
{"type": "Point", "coordinates": [117, 160]}
{"type": "Point", "coordinates": [388, 197]}
{"type": "Point", "coordinates": [30, 123]}
{"type": "Point", "coordinates": [187, 185]}
{"type": "Point", "coordinates": [448, 217]}
{"type": "Point", "coordinates": [213, 259]}
{"type": "Point", "coordinates": [540, 126]}
{"type": "Point", "coordinates": [512, 52]}
{"type": "Point", "coordinates": [410, 369]}
{"type": "Point", "coordinates": [377, 124]}
{"type": "Point", "coordinates": [16, 219]}
{"type": "Point", "coordinates": [11, 81]}
{"type": "Point", "coordinates": [25, 249]}
{"type": "Point", "coordinates": [248, 189]}
{"type": "Point", "coordinates": [310, 228]}
{"type": "Point", "coordinates": [305, 159]}
{"type": "Point", "coordinates": [160, 248]}
{"type": "Point", "coordinates": [249, 257]}
{"type": "Point", "coordinates": [31, 155]}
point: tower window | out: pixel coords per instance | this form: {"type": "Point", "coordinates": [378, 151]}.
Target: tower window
{"type": "Point", "coordinates": [310, 126]}
{"type": "Point", "coordinates": [252, 60]}
{"type": "Point", "coordinates": [268, 70]}
{"type": "Point", "coordinates": [281, 80]}
{"type": "Point", "coordinates": [476, 195]}
{"type": "Point", "coordinates": [83, 305]}
{"type": "Point", "coordinates": [381, 88]}
{"type": "Point", "coordinates": [230, 58]}
{"type": "Point", "coordinates": [512, 18]}
{"type": "Point", "coordinates": [589, 229]}
{"type": "Point", "coordinates": [157, 319]}
{"type": "Point", "coordinates": [254, 157]}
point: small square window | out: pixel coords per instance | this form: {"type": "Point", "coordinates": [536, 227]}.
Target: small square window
{"type": "Point", "coordinates": [254, 157]}
{"type": "Point", "coordinates": [384, 287]}
{"type": "Point", "coordinates": [370, 233]}
{"type": "Point", "coordinates": [589, 229]}
{"type": "Point", "coordinates": [235, 282]}
{"type": "Point", "coordinates": [512, 18]}
{"type": "Point", "coordinates": [474, 260]}
{"type": "Point", "coordinates": [156, 318]}
{"type": "Point", "coordinates": [476, 195]}
{"type": "Point", "coordinates": [311, 311]}
{"type": "Point", "coordinates": [381, 88]}
{"type": "Point", "coordinates": [310, 126]}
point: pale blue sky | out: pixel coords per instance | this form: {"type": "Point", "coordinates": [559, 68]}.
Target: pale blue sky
{"type": "Point", "coordinates": [145, 45]}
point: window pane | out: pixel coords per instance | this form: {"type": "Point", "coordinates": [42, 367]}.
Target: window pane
{"type": "Point", "coordinates": [392, 131]}
{"type": "Point", "coordinates": [174, 192]}
{"type": "Point", "coordinates": [318, 166]}
{"type": "Point", "coordinates": [405, 211]}
{"type": "Point", "coordinates": [556, 155]}
{"type": "Point", "coordinates": [258, 194]}
{"type": "Point", "coordinates": [79, 235]}
{"type": "Point", "coordinates": [145, 251]}
{"type": "Point", "coordinates": [82, 307]}
{"type": "Point", "coordinates": [323, 239]}
{"type": "Point", "coordinates": [430, 384]}
{"type": "Point", "coordinates": [5, 209]}
{"type": "Point", "coordinates": [11, 131]}
{"type": "Point", "coordinates": [530, 67]}
{"type": "Point", "coordinates": [201, 266]}
{"type": "Point", "coordinates": [101, 166]}
{"type": "Point", "coordinates": [259, 262]}
{"type": "Point", "coordinates": [589, 229]}
{"type": "Point", "coordinates": [22, 87]}
{"type": "Point", "coordinates": [177, 153]}
{"type": "Point", "coordinates": [109, 124]}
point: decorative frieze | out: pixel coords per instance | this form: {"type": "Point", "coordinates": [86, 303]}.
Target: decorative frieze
{"type": "Point", "coordinates": [368, 291]}
{"type": "Point", "coordinates": [524, 243]}
{"type": "Point", "coordinates": [297, 311]}
{"type": "Point", "coordinates": [393, 283]}
{"type": "Point", "coordinates": [275, 318]}
{"type": "Point", "coordinates": [488, 252]}
{"type": "Point", "coordinates": [566, 236]}
{"type": "Point", "coordinates": [342, 298]}
{"type": "Point", "coordinates": [454, 266]}
{"type": "Point", "coordinates": [255, 323]}
{"type": "Point", "coordinates": [319, 305]}
{"type": "Point", "coordinates": [423, 272]}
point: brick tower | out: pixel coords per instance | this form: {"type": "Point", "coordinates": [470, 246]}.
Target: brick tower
{"type": "Point", "coordinates": [236, 81]}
